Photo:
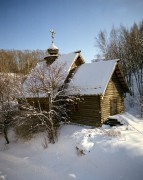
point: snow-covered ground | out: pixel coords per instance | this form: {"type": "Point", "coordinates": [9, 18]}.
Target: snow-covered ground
{"type": "Point", "coordinates": [81, 153]}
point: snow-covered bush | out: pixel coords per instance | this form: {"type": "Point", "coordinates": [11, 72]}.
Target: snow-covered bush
{"type": "Point", "coordinates": [31, 123]}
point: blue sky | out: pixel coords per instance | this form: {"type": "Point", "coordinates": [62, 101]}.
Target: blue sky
{"type": "Point", "coordinates": [25, 24]}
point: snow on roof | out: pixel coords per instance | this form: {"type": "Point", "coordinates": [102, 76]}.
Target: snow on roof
{"type": "Point", "coordinates": [65, 61]}
{"type": "Point", "coordinates": [92, 78]}
{"type": "Point", "coordinates": [53, 46]}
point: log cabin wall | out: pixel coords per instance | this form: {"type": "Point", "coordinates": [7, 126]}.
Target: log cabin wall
{"type": "Point", "coordinates": [114, 92]}
{"type": "Point", "coordinates": [87, 111]}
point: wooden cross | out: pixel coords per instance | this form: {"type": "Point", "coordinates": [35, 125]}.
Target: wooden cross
{"type": "Point", "coordinates": [53, 33]}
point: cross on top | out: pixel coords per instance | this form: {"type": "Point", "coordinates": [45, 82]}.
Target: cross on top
{"type": "Point", "coordinates": [53, 33]}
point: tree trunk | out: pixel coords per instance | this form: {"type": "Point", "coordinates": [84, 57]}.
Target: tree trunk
{"type": "Point", "coordinates": [5, 134]}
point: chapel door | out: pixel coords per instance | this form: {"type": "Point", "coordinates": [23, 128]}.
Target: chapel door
{"type": "Point", "coordinates": [113, 107]}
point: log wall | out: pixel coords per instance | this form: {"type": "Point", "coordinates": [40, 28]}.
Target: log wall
{"type": "Point", "coordinates": [88, 111]}
{"type": "Point", "coordinates": [114, 90]}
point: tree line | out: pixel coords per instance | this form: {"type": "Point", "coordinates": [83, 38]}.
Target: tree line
{"type": "Point", "coordinates": [18, 61]}
{"type": "Point", "coordinates": [125, 44]}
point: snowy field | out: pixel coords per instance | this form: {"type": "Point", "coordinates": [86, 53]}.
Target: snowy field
{"type": "Point", "coordinates": [81, 153]}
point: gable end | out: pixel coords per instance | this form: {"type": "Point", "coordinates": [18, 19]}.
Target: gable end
{"type": "Point", "coordinates": [121, 78]}
{"type": "Point", "coordinates": [76, 63]}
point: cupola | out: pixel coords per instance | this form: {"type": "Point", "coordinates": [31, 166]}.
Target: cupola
{"type": "Point", "coordinates": [53, 51]}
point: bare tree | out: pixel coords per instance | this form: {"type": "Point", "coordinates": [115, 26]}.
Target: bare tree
{"type": "Point", "coordinates": [50, 97]}
{"type": "Point", "coordinates": [8, 93]}
{"type": "Point", "coordinates": [101, 43]}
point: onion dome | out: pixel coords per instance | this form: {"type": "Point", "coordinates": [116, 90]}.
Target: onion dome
{"type": "Point", "coordinates": [53, 51]}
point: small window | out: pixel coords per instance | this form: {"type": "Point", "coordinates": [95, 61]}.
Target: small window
{"type": "Point", "coordinates": [76, 107]}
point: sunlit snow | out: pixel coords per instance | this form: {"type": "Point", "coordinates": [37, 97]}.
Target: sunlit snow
{"type": "Point", "coordinates": [81, 153]}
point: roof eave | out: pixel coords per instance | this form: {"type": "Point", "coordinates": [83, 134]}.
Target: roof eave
{"type": "Point", "coordinates": [76, 56]}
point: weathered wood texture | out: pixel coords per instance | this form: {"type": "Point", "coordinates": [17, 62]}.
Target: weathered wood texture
{"type": "Point", "coordinates": [114, 90]}
{"type": "Point", "coordinates": [88, 112]}
{"type": "Point", "coordinates": [77, 63]}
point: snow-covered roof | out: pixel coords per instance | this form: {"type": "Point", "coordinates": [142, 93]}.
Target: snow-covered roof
{"type": "Point", "coordinates": [64, 60]}
{"type": "Point", "coordinates": [67, 60]}
{"type": "Point", "coordinates": [89, 78]}
{"type": "Point", "coordinates": [93, 78]}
